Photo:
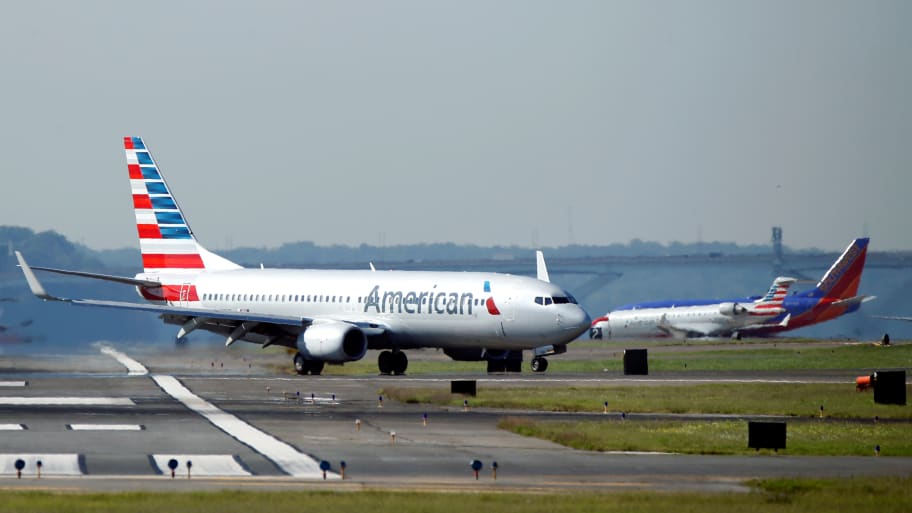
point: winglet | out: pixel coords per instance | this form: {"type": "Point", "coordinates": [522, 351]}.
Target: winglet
{"type": "Point", "coordinates": [541, 268]}
{"type": "Point", "coordinates": [32, 280]}
{"type": "Point", "coordinates": [785, 321]}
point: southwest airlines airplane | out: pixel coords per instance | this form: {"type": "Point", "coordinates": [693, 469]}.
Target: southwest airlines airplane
{"type": "Point", "coordinates": [834, 295]}
{"type": "Point", "coordinates": [331, 316]}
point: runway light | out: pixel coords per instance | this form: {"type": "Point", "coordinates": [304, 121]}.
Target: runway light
{"type": "Point", "coordinates": [465, 405]}
{"type": "Point", "coordinates": [424, 420]}
{"type": "Point", "coordinates": [324, 466]}
{"type": "Point", "coordinates": [39, 464]}
{"type": "Point", "coordinates": [393, 437]}
{"type": "Point", "coordinates": [357, 424]}
{"type": "Point", "coordinates": [189, 464]}
{"type": "Point", "coordinates": [494, 470]}
{"type": "Point", "coordinates": [380, 401]}
{"type": "Point", "coordinates": [476, 466]}
{"type": "Point", "coordinates": [20, 464]}
{"type": "Point", "coordinates": [172, 464]}
{"type": "Point", "coordinates": [606, 407]}
{"type": "Point", "coordinates": [342, 466]}
{"type": "Point", "coordinates": [877, 450]}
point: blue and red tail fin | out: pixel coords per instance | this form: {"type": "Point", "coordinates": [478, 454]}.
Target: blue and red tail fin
{"type": "Point", "coordinates": [165, 240]}
{"type": "Point", "coordinates": [844, 276]}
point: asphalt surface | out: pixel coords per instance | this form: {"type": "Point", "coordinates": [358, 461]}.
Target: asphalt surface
{"type": "Point", "coordinates": [239, 410]}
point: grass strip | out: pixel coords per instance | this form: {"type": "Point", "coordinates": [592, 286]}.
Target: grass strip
{"type": "Point", "coordinates": [884, 495]}
{"type": "Point", "coordinates": [860, 356]}
{"type": "Point", "coordinates": [800, 400]}
{"type": "Point", "coordinates": [806, 438]}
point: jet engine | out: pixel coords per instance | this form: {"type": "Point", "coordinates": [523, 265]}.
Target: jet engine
{"type": "Point", "coordinates": [731, 309]}
{"type": "Point", "coordinates": [332, 341]}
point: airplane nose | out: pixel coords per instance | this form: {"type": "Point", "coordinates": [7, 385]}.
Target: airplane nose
{"type": "Point", "coordinates": [576, 320]}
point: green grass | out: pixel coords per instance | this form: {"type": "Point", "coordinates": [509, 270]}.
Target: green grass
{"type": "Point", "coordinates": [799, 400]}
{"type": "Point", "coordinates": [819, 438]}
{"type": "Point", "coordinates": [883, 495]}
{"type": "Point", "coordinates": [854, 356]}
{"type": "Point", "coordinates": [694, 357]}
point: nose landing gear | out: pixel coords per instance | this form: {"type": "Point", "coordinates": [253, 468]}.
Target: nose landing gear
{"type": "Point", "coordinates": [392, 362]}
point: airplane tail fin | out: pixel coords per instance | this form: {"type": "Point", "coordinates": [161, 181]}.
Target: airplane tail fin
{"type": "Point", "coordinates": [165, 240]}
{"type": "Point", "coordinates": [776, 294]}
{"type": "Point", "coordinates": [844, 276]}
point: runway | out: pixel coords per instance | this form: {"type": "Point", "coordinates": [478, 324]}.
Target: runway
{"type": "Point", "coordinates": [101, 422]}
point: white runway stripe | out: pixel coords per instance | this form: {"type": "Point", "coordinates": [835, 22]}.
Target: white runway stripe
{"type": "Point", "coordinates": [285, 456]}
{"type": "Point", "coordinates": [104, 427]}
{"type": "Point", "coordinates": [13, 383]}
{"type": "Point", "coordinates": [66, 401]}
{"type": "Point", "coordinates": [11, 427]}
{"type": "Point", "coordinates": [51, 464]}
{"type": "Point", "coordinates": [135, 368]}
{"type": "Point", "coordinates": [202, 465]}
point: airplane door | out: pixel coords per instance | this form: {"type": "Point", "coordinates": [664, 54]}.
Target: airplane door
{"type": "Point", "coordinates": [509, 312]}
{"type": "Point", "coordinates": [508, 315]}
{"type": "Point", "coordinates": [184, 295]}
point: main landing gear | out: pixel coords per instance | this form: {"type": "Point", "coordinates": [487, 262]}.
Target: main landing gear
{"type": "Point", "coordinates": [392, 362]}
{"type": "Point", "coordinates": [304, 366]}
{"type": "Point", "coordinates": [539, 364]}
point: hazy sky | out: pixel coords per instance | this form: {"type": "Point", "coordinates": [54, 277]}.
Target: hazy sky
{"type": "Point", "coordinates": [504, 122]}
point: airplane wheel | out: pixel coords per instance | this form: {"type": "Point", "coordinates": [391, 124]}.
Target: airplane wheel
{"type": "Point", "coordinates": [300, 364]}
{"type": "Point", "coordinates": [539, 364]}
{"type": "Point", "coordinates": [400, 363]}
{"type": "Point", "coordinates": [385, 362]}
{"type": "Point", "coordinates": [316, 367]}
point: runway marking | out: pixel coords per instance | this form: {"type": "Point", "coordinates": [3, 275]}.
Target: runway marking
{"type": "Point", "coordinates": [13, 383]}
{"type": "Point", "coordinates": [286, 457]}
{"type": "Point", "coordinates": [134, 368]}
{"type": "Point", "coordinates": [104, 427]}
{"type": "Point", "coordinates": [11, 427]}
{"type": "Point", "coordinates": [203, 465]}
{"type": "Point", "coordinates": [51, 464]}
{"type": "Point", "coordinates": [66, 401]}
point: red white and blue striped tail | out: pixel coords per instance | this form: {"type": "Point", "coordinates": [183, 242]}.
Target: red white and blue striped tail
{"type": "Point", "coordinates": [165, 240]}
{"type": "Point", "coordinates": [776, 294]}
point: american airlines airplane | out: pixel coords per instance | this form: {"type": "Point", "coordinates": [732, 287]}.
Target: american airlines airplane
{"type": "Point", "coordinates": [331, 316]}
{"type": "Point", "coordinates": [693, 320]}
{"type": "Point", "coordinates": [836, 294]}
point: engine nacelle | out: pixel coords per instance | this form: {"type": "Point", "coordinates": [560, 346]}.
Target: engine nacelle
{"type": "Point", "coordinates": [731, 309]}
{"type": "Point", "coordinates": [332, 341]}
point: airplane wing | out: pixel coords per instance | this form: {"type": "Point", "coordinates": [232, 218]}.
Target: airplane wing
{"type": "Point", "coordinates": [678, 332]}
{"type": "Point", "coordinates": [266, 329]}
{"type": "Point", "coordinates": [892, 317]}
{"type": "Point", "coordinates": [783, 323]}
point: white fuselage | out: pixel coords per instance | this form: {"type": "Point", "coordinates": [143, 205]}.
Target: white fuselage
{"type": "Point", "coordinates": [413, 308]}
{"type": "Point", "coordinates": [679, 322]}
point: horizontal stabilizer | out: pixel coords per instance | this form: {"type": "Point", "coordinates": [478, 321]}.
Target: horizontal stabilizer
{"type": "Point", "coordinates": [851, 301]}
